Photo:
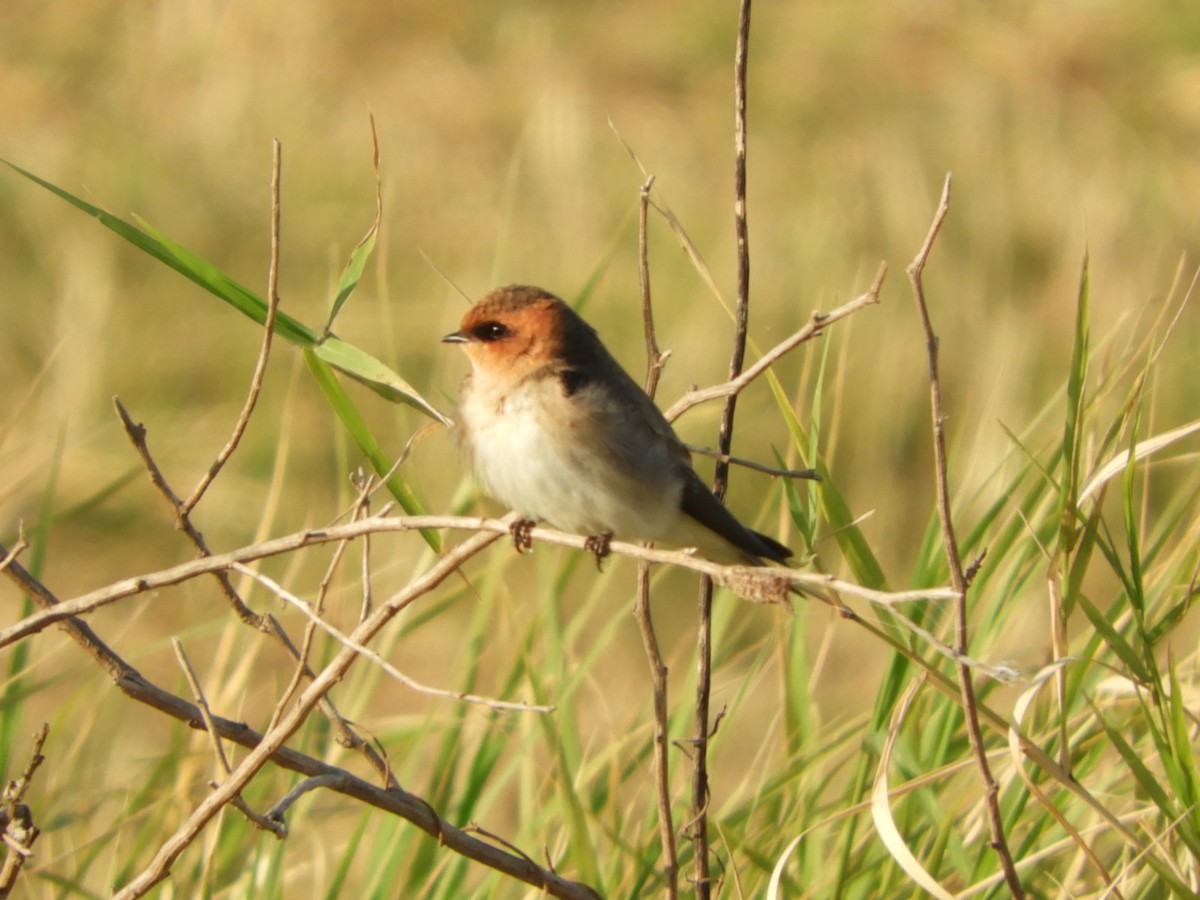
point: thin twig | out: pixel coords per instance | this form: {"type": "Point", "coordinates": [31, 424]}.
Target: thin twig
{"type": "Point", "coordinates": [264, 350]}
{"type": "Point", "coordinates": [215, 739]}
{"type": "Point", "coordinates": [815, 326]}
{"type": "Point", "coordinates": [953, 559]}
{"type": "Point", "coordinates": [700, 786]}
{"type": "Point", "coordinates": [367, 653]}
{"type": "Point", "coordinates": [346, 736]}
{"type": "Point", "coordinates": [810, 474]}
{"type": "Point", "coordinates": [17, 829]}
{"type": "Point", "coordinates": [202, 702]}
{"type": "Point", "coordinates": [267, 624]}
{"type": "Point", "coordinates": [655, 360]}
{"type": "Point", "coordinates": [310, 630]}
{"type": "Point", "coordinates": [277, 813]}
{"type": "Point", "coordinates": [136, 432]}
{"type": "Point", "coordinates": [16, 550]}
{"type": "Point", "coordinates": [419, 812]}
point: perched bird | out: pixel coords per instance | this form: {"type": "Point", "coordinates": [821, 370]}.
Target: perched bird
{"type": "Point", "coordinates": [557, 430]}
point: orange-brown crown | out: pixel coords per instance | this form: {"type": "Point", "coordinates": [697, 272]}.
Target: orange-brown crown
{"type": "Point", "coordinates": [520, 327]}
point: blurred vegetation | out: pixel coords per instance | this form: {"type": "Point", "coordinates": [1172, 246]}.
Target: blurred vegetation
{"type": "Point", "coordinates": [1068, 127]}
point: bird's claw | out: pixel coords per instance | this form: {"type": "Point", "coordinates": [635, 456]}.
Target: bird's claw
{"type": "Point", "coordinates": [598, 545]}
{"type": "Point", "coordinates": [522, 540]}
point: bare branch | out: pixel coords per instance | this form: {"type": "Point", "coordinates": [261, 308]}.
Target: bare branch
{"type": "Point", "coordinates": [17, 829]}
{"type": "Point", "coordinates": [237, 802]}
{"type": "Point", "coordinates": [15, 552]}
{"type": "Point", "coordinates": [700, 789]}
{"type": "Point", "coordinates": [333, 780]}
{"type": "Point", "coordinates": [731, 576]}
{"type": "Point", "coordinates": [264, 351]}
{"type": "Point", "coordinates": [346, 736]}
{"type": "Point", "coordinates": [810, 474]}
{"type": "Point", "coordinates": [815, 327]}
{"type": "Point", "coordinates": [655, 360]}
{"type": "Point", "coordinates": [954, 561]}
{"type": "Point", "coordinates": [273, 740]}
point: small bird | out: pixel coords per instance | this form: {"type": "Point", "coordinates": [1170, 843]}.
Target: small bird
{"type": "Point", "coordinates": [554, 427]}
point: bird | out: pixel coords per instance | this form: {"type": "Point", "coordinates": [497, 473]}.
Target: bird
{"type": "Point", "coordinates": [556, 429]}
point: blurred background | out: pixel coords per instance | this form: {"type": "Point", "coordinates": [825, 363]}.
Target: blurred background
{"type": "Point", "coordinates": [1069, 128]}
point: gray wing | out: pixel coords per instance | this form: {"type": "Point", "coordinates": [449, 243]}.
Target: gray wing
{"type": "Point", "coordinates": [646, 431]}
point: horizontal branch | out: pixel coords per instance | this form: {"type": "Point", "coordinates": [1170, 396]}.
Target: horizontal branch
{"type": "Point", "coordinates": [754, 583]}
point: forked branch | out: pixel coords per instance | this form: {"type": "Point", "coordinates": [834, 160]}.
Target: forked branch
{"type": "Point", "coordinates": [958, 579]}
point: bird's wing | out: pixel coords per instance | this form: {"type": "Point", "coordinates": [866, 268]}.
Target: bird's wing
{"type": "Point", "coordinates": [699, 502]}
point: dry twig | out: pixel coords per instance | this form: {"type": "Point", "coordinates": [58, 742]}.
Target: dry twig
{"type": "Point", "coordinates": [958, 578]}
{"type": "Point", "coordinates": [274, 740]}
{"type": "Point", "coordinates": [815, 326]}
{"type": "Point", "coordinates": [17, 829]}
{"type": "Point", "coordinates": [264, 351]}
{"type": "Point", "coordinates": [655, 360]}
{"type": "Point", "coordinates": [700, 788]}
{"type": "Point", "coordinates": [260, 822]}
{"type": "Point", "coordinates": [732, 576]}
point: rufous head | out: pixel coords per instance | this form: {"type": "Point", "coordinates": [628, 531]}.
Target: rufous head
{"type": "Point", "coordinates": [518, 328]}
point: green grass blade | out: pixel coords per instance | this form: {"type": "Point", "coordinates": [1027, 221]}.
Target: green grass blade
{"type": "Point", "coordinates": [351, 360]}
{"type": "Point", "coordinates": [1183, 761]}
{"type": "Point", "coordinates": [352, 274]}
{"type": "Point", "coordinates": [183, 261]}
{"type": "Point", "coordinates": [1073, 425]}
{"type": "Point", "coordinates": [372, 373]}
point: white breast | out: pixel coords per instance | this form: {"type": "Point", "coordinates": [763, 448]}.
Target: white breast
{"type": "Point", "coordinates": [531, 451]}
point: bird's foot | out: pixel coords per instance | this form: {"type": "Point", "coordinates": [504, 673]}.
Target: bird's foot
{"type": "Point", "coordinates": [598, 545]}
{"type": "Point", "coordinates": [522, 540]}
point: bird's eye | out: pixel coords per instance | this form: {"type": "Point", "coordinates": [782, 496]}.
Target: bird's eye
{"type": "Point", "coordinates": [490, 331]}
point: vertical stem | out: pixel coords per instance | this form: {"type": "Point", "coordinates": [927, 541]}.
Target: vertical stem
{"type": "Point", "coordinates": [641, 609]}
{"type": "Point", "coordinates": [958, 578]}
{"type": "Point", "coordinates": [700, 788]}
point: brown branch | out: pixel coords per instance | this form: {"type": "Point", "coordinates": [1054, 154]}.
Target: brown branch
{"type": "Point", "coordinates": [278, 812]}
{"type": "Point", "coordinates": [810, 474]}
{"type": "Point", "coordinates": [700, 786]}
{"type": "Point", "coordinates": [238, 802]}
{"type": "Point", "coordinates": [310, 630]}
{"type": "Point", "coordinates": [760, 581]}
{"type": "Point", "coordinates": [662, 764]}
{"type": "Point", "coordinates": [267, 624]}
{"type": "Point", "coordinates": [264, 351]}
{"type": "Point", "coordinates": [367, 653]}
{"type": "Point", "coordinates": [815, 327]}
{"type": "Point", "coordinates": [958, 578]}
{"type": "Point", "coordinates": [346, 736]}
{"type": "Point", "coordinates": [655, 360]}
{"type": "Point", "coordinates": [17, 829]}
{"type": "Point", "coordinates": [136, 432]}
{"type": "Point", "coordinates": [15, 552]}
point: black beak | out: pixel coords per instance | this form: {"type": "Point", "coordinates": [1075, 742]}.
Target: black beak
{"type": "Point", "coordinates": [455, 337]}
